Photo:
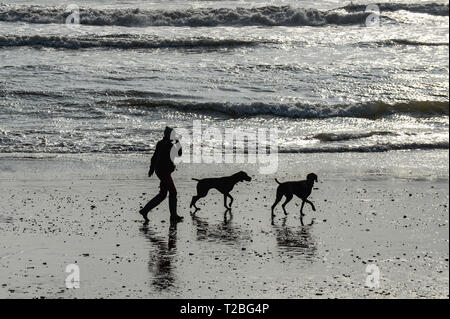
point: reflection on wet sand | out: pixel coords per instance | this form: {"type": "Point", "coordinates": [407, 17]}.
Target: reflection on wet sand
{"type": "Point", "coordinates": [296, 240]}
{"type": "Point", "coordinates": [160, 263]}
{"type": "Point", "coordinates": [5, 219]}
{"type": "Point", "coordinates": [225, 232]}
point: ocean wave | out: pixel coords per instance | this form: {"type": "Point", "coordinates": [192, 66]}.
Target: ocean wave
{"type": "Point", "coordinates": [370, 148]}
{"type": "Point", "coordinates": [122, 42]}
{"type": "Point", "coordinates": [299, 110]}
{"type": "Point", "coordinates": [439, 9]}
{"type": "Point", "coordinates": [201, 17]}
{"type": "Point", "coordinates": [131, 42]}
{"type": "Point", "coordinates": [190, 103]}
{"type": "Point", "coordinates": [404, 42]}
{"type": "Point", "coordinates": [29, 93]}
{"type": "Point", "coordinates": [339, 137]}
{"type": "Point", "coordinates": [117, 148]}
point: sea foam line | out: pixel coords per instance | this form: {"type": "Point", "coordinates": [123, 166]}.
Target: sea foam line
{"type": "Point", "coordinates": [202, 17]}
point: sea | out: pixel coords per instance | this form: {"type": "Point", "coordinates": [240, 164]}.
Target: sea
{"type": "Point", "coordinates": [106, 77]}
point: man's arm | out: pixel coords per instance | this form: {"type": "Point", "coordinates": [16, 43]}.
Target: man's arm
{"type": "Point", "coordinates": [153, 161]}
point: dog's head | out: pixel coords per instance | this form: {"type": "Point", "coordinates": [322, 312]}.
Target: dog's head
{"type": "Point", "coordinates": [242, 176]}
{"type": "Point", "coordinates": [312, 177]}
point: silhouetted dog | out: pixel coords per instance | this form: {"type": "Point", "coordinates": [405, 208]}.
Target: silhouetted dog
{"type": "Point", "coordinates": [222, 184]}
{"type": "Point", "coordinates": [301, 189]}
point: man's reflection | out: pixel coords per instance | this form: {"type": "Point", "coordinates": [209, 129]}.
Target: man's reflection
{"type": "Point", "coordinates": [161, 259]}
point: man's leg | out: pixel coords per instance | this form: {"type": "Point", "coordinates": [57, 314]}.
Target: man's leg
{"type": "Point", "coordinates": [155, 201]}
{"type": "Point", "coordinates": [173, 200]}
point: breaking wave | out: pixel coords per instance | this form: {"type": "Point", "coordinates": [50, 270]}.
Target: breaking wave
{"type": "Point", "coordinates": [142, 148]}
{"type": "Point", "coordinates": [207, 17]}
{"type": "Point", "coordinates": [438, 9]}
{"type": "Point", "coordinates": [123, 42]}
{"type": "Point", "coordinates": [337, 137]}
{"type": "Point", "coordinates": [403, 42]}
{"type": "Point", "coordinates": [299, 110]}
{"type": "Point", "coordinates": [202, 17]}
{"type": "Point", "coordinates": [386, 147]}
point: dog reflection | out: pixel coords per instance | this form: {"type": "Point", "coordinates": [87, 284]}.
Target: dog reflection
{"type": "Point", "coordinates": [161, 260]}
{"type": "Point", "coordinates": [295, 240]}
{"type": "Point", "coordinates": [225, 232]}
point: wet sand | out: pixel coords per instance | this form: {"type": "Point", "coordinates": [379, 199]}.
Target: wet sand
{"type": "Point", "coordinates": [387, 209]}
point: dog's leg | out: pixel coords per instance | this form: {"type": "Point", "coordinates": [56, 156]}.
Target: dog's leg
{"type": "Point", "coordinates": [232, 199]}
{"type": "Point", "coordinates": [277, 200]}
{"type": "Point", "coordinates": [301, 209]}
{"type": "Point", "coordinates": [225, 201]}
{"type": "Point", "coordinates": [200, 194]}
{"type": "Point", "coordinates": [288, 199]}
{"type": "Point", "coordinates": [301, 212]}
{"type": "Point", "coordinates": [312, 205]}
{"type": "Point", "coordinates": [194, 200]}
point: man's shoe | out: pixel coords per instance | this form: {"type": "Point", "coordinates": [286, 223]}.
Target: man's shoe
{"type": "Point", "coordinates": [144, 215]}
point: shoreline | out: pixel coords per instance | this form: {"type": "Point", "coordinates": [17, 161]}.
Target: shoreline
{"type": "Point", "coordinates": [388, 209]}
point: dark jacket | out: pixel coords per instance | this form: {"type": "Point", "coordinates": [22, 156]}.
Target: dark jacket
{"type": "Point", "coordinates": [161, 162]}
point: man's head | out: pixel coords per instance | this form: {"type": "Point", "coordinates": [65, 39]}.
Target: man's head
{"type": "Point", "coordinates": [167, 133]}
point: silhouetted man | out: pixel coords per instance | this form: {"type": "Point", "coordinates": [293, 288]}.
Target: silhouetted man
{"type": "Point", "coordinates": [162, 164]}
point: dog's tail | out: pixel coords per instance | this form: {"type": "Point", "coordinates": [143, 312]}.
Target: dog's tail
{"type": "Point", "coordinates": [195, 179]}
{"type": "Point", "coordinates": [276, 180]}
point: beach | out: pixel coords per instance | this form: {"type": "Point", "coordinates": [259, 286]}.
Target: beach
{"type": "Point", "coordinates": [354, 92]}
{"type": "Point", "coordinates": [388, 209]}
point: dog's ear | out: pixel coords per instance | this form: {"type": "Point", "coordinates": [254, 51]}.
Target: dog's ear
{"type": "Point", "coordinates": [312, 177]}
